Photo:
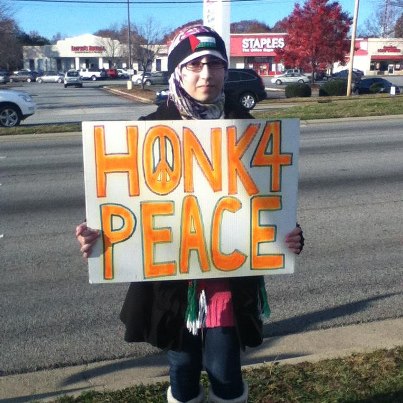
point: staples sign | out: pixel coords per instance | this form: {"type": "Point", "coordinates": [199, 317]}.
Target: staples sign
{"type": "Point", "coordinates": [263, 44]}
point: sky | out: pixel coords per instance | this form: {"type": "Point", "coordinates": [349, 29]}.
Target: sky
{"type": "Point", "coordinates": [77, 17]}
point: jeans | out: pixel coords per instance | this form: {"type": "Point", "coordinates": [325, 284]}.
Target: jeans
{"type": "Point", "coordinates": [222, 362]}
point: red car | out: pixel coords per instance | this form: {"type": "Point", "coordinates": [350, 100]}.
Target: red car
{"type": "Point", "coordinates": [112, 73]}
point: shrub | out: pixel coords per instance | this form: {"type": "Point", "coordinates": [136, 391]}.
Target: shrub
{"type": "Point", "coordinates": [300, 90]}
{"type": "Point", "coordinates": [333, 88]}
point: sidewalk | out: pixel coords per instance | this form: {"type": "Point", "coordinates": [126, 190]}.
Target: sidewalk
{"type": "Point", "coordinates": [118, 374]}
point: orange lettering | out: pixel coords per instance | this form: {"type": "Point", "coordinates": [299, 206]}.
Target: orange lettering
{"type": "Point", "coordinates": [222, 261]}
{"type": "Point", "coordinates": [271, 139]}
{"type": "Point", "coordinates": [212, 171]}
{"type": "Point", "coordinates": [236, 150]}
{"type": "Point", "coordinates": [264, 233]}
{"type": "Point", "coordinates": [112, 163]}
{"type": "Point", "coordinates": [152, 236]}
{"type": "Point", "coordinates": [111, 236]}
{"type": "Point", "coordinates": [192, 235]}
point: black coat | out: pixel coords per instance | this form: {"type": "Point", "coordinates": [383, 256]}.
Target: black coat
{"type": "Point", "coordinates": [154, 312]}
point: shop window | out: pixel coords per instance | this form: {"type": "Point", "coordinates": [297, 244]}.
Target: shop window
{"type": "Point", "coordinates": [158, 64]}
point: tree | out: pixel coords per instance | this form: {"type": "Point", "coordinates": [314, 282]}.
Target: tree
{"type": "Point", "coordinates": [171, 35]}
{"type": "Point", "coordinates": [382, 22]}
{"type": "Point", "coordinates": [399, 27]}
{"type": "Point", "coordinates": [146, 43]}
{"type": "Point", "coordinates": [10, 48]}
{"type": "Point", "coordinates": [317, 36]}
{"type": "Point", "coordinates": [32, 39]}
{"type": "Point", "coordinates": [249, 26]}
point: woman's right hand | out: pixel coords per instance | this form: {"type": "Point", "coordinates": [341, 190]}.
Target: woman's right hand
{"type": "Point", "coordinates": [86, 238]}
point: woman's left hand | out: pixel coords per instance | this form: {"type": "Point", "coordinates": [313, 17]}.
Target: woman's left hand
{"type": "Point", "coordinates": [295, 240]}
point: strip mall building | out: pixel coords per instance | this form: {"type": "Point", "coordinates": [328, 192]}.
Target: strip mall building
{"type": "Point", "coordinates": [257, 51]}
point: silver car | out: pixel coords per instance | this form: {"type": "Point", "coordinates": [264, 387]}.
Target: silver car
{"type": "Point", "coordinates": [50, 77]}
{"type": "Point", "coordinates": [290, 78]}
{"type": "Point", "coordinates": [14, 107]}
{"type": "Point", "coordinates": [73, 78]}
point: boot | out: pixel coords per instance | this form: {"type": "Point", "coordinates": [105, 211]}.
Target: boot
{"type": "Point", "coordinates": [241, 399]}
{"type": "Point", "coordinates": [198, 399]}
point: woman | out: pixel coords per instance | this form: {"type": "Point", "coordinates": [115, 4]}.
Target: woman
{"type": "Point", "coordinates": [156, 312]}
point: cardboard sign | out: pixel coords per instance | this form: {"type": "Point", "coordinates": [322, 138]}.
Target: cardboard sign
{"type": "Point", "coordinates": [190, 199]}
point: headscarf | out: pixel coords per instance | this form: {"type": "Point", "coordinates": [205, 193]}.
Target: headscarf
{"type": "Point", "coordinates": [189, 44]}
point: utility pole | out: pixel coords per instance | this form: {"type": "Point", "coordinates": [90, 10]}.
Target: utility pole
{"type": "Point", "coordinates": [129, 42]}
{"type": "Point", "coordinates": [352, 47]}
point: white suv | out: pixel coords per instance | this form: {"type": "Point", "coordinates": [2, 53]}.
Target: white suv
{"type": "Point", "coordinates": [14, 107]}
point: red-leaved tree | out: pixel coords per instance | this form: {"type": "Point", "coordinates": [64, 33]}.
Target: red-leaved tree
{"type": "Point", "coordinates": [317, 36]}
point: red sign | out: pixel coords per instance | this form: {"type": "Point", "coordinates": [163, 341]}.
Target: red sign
{"type": "Point", "coordinates": [389, 49]}
{"type": "Point", "coordinates": [256, 44]}
{"type": "Point", "coordinates": [88, 49]}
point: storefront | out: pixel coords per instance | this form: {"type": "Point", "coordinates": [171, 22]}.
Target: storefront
{"type": "Point", "coordinates": [257, 52]}
{"type": "Point", "coordinates": [84, 51]}
{"type": "Point", "coordinates": [386, 56]}
{"type": "Point", "coordinates": [374, 56]}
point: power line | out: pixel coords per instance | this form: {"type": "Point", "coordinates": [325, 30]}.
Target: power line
{"type": "Point", "coordinates": [130, 2]}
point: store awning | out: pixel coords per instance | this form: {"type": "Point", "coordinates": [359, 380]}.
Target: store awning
{"type": "Point", "coordinates": [387, 57]}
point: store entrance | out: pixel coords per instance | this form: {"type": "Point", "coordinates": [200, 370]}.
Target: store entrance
{"type": "Point", "coordinates": [263, 69]}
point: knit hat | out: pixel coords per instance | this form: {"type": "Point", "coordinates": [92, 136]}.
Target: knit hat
{"type": "Point", "coordinates": [194, 42]}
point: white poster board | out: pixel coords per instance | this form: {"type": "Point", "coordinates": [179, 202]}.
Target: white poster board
{"type": "Point", "coordinates": [190, 199]}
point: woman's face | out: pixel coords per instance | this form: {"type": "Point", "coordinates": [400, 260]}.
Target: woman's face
{"type": "Point", "coordinates": [203, 78]}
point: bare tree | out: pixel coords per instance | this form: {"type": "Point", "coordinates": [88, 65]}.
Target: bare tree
{"type": "Point", "coordinates": [399, 27]}
{"type": "Point", "coordinates": [112, 50]}
{"type": "Point", "coordinates": [382, 22]}
{"type": "Point", "coordinates": [146, 43]}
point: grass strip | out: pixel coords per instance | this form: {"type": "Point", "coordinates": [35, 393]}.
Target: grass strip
{"type": "Point", "coordinates": [366, 377]}
{"type": "Point", "coordinates": [334, 107]}
{"type": "Point", "coordinates": [302, 108]}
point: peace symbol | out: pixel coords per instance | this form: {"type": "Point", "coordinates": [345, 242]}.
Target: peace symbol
{"type": "Point", "coordinates": [162, 160]}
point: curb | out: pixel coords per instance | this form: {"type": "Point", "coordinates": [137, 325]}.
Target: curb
{"type": "Point", "coordinates": [315, 345]}
{"type": "Point", "coordinates": [125, 94]}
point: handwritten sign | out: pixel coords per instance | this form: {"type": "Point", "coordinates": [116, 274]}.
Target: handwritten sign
{"type": "Point", "coordinates": [190, 199]}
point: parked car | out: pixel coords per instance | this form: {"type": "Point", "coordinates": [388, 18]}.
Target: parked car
{"type": "Point", "coordinates": [321, 75]}
{"type": "Point", "coordinates": [158, 77]}
{"type": "Point", "coordinates": [122, 73]}
{"type": "Point", "coordinates": [290, 78]}
{"type": "Point", "coordinates": [50, 77]}
{"type": "Point", "coordinates": [137, 78]}
{"type": "Point", "coordinates": [112, 73]}
{"type": "Point", "coordinates": [4, 77]}
{"type": "Point", "coordinates": [92, 74]}
{"type": "Point", "coordinates": [14, 107]}
{"type": "Point", "coordinates": [343, 75]}
{"type": "Point", "coordinates": [23, 76]}
{"type": "Point", "coordinates": [374, 85]}
{"type": "Point", "coordinates": [73, 78]}
{"type": "Point", "coordinates": [244, 85]}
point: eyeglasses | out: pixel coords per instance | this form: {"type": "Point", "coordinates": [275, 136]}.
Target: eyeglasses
{"type": "Point", "coordinates": [197, 65]}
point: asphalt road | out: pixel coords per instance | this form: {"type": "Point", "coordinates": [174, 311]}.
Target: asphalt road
{"type": "Point", "coordinates": [56, 104]}
{"type": "Point", "coordinates": [350, 206]}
